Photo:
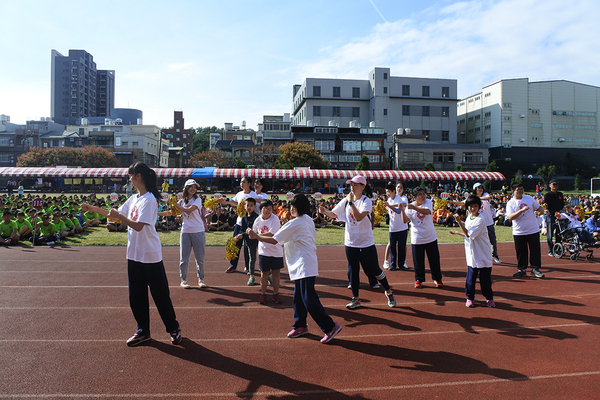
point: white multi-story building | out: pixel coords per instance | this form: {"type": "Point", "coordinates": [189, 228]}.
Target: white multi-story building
{"type": "Point", "coordinates": [533, 122]}
{"type": "Point", "coordinates": [275, 130]}
{"type": "Point", "coordinates": [426, 106]}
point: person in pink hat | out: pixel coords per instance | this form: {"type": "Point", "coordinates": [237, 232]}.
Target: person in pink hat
{"type": "Point", "coordinates": [355, 211]}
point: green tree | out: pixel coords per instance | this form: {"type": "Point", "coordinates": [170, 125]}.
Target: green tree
{"type": "Point", "coordinates": [546, 172]}
{"type": "Point", "coordinates": [265, 156]}
{"type": "Point", "coordinates": [86, 157]}
{"type": "Point", "coordinates": [363, 164]}
{"type": "Point", "coordinates": [577, 182]}
{"type": "Point", "coordinates": [459, 168]}
{"type": "Point", "coordinates": [201, 138]}
{"type": "Point", "coordinates": [429, 167]}
{"type": "Point", "coordinates": [491, 167]}
{"type": "Point", "coordinates": [296, 154]}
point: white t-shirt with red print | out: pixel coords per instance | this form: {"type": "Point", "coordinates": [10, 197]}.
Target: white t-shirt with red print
{"type": "Point", "coordinates": [357, 233]}
{"type": "Point", "coordinates": [143, 246]}
{"type": "Point", "coordinates": [526, 223]}
{"type": "Point", "coordinates": [422, 230]}
{"type": "Point", "coordinates": [264, 226]}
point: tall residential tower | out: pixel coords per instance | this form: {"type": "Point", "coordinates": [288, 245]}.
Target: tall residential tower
{"type": "Point", "coordinates": [78, 89]}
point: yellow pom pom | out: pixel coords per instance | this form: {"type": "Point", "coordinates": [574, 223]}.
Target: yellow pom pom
{"type": "Point", "coordinates": [175, 211]}
{"type": "Point", "coordinates": [211, 203]}
{"type": "Point", "coordinates": [439, 203]}
{"type": "Point", "coordinates": [241, 208]}
{"type": "Point", "coordinates": [380, 208]}
{"type": "Point", "coordinates": [231, 249]}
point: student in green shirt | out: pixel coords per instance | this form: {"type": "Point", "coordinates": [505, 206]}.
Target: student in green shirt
{"type": "Point", "coordinates": [59, 226]}
{"type": "Point", "coordinates": [46, 231]}
{"type": "Point", "coordinates": [9, 234]}
{"type": "Point", "coordinates": [77, 228]}
{"type": "Point", "coordinates": [24, 226]}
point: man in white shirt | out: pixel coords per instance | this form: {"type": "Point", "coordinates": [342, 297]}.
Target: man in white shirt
{"type": "Point", "coordinates": [520, 210]}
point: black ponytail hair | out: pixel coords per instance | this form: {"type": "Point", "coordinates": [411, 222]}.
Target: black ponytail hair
{"type": "Point", "coordinates": [148, 176]}
{"type": "Point", "coordinates": [368, 191]}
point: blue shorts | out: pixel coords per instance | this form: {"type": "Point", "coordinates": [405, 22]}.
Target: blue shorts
{"type": "Point", "coordinates": [266, 263]}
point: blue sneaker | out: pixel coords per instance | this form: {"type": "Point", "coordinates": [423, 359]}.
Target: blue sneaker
{"type": "Point", "coordinates": [251, 280]}
{"type": "Point", "coordinates": [270, 280]}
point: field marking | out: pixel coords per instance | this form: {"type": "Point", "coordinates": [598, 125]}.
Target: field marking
{"type": "Point", "coordinates": [285, 338]}
{"type": "Point", "coordinates": [300, 392]}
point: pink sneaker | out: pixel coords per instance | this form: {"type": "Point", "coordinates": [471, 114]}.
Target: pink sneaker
{"type": "Point", "coordinates": [469, 303]}
{"type": "Point", "coordinates": [330, 335]}
{"type": "Point", "coordinates": [297, 332]}
{"type": "Point", "coordinates": [490, 303]}
{"type": "Point", "coordinates": [262, 299]}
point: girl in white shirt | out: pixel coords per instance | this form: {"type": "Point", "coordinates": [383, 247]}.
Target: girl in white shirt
{"type": "Point", "coordinates": [477, 251]}
{"type": "Point", "coordinates": [144, 255]}
{"type": "Point", "coordinates": [423, 237]}
{"type": "Point", "coordinates": [355, 210]}
{"type": "Point", "coordinates": [398, 229]}
{"type": "Point", "coordinates": [193, 233]}
{"type": "Point", "coordinates": [298, 237]}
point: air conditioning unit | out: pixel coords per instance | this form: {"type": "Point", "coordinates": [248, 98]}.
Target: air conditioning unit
{"type": "Point", "coordinates": [522, 139]}
{"type": "Point", "coordinates": [562, 139]}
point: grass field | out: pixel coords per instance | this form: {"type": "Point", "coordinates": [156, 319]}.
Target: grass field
{"type": "Point", "coordinates": [330, 235]}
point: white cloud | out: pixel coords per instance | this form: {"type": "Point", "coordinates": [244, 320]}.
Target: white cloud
{"type": "Point", "coordinates": [476, 43]}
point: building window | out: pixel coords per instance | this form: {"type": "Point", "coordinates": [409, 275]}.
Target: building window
{"type": "Point", "coordinates": [445, 91]}
{"type": "Point", "coordinates": [405, 90]}
{"type": "Point", "coordinates": [356, 93]}
{"type": "Point", "coordinates": [336, 111]}
{"type": "Point", "coordinates": [385, 75]}
{"type": "Point", "coordinates": [405, 110]}
{"type": "Point", "coordinates": [316, 91]}
{"type": "Point", "coordinates": [443, 157]}
{"type": "Point", "coordinates": [445, 111]}
{"type": "Point", "coordinates": [355, 112]}
{"type": "Point", "coordinates": [472, 157]}
{"type": "Point", "coordinates": [336, 91]}
{"type": "Point", "coordinates": [507, 118]}
{"type": "Point", "coordinates": [385, 90]}
{"type": "Point", "coordinates": [135, 144]}
{"type": "Point", "coordinates": [370, 145]}
{"type": "Point", "coordinates": [316, 111]}
{"type": "Point", "coordinates": [445, 136]}
{"type": "Point", "coordinates": [385, 111]}
{"type": "Point", "coordinates": [426, 134]}
{"type": "Point", "coordinates": [177, 121]}
{"type": "Point", "coordinates": [351, 145]}
{"type": "Point", "coordinates": [425, 111]}
{"type": "Point", "coordinates": [413, 156]}
{"type": "Point", "coordinates": [425, 91]}
{"type": "Point", "coordinates": [507, 105]}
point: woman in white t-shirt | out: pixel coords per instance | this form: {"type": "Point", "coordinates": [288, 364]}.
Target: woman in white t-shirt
{"type": "Point", "coordinates": [488, 217]}
{"type": "Point", "coordinates": [423, 238]}
{"type": "Point", "coordinates": [246, 186]}
{"type": "Point", "coordinates": [144, 255]}
{"type": "Point", "coordinates": [298, 237]}
{"type": "Point", "coordinates": [398, 229]}
{"type": "Point", "coordinates": [355, 210]}
{"type": "Point", "coordinates": [193, 233]}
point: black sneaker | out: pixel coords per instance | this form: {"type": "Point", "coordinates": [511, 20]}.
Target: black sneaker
{"type": "Point", "coordinates": [537, 273]}
{"type": "Point", "coordinates": [176, 336]}
{"type": "Point", "coordinates": [520, 273]}
{"type": "Point", "coordinates": [137, 339]}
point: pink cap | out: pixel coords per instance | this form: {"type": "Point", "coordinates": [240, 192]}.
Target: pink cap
{"type": "Point", "coordinates": [358, 179]}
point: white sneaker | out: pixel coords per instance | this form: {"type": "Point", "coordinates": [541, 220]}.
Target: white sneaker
{"type": "Point", "coordinates": [386, 264]}
{"type": "Point", "coordinates": [184, 284]}
{"type": "Point", "coordinates": [201, 283]}
{"type": "Point", "coordinates": [497, 260]}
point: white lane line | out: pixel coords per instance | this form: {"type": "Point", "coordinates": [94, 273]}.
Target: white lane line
{"type": "Point", "coordinates": [299, 392]}
{"type": "Point", "coordinates": [283, 337]}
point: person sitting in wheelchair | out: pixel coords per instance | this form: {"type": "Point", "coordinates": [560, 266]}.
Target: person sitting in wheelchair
{"type": "Point", "coordinates": [575, 225]}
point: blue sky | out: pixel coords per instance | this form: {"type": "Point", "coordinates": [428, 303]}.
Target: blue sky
{"type": "Point", "coordinates": [234, 61]}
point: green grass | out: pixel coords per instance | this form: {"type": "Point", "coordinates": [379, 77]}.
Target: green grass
{"type": "Point", "coordinates": [330, 235]}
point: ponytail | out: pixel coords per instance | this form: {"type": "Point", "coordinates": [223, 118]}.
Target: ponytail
{"type": "Point", "coordinates": [148, 176]}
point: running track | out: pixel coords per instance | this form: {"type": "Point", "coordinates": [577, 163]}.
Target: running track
{"type": "Point", "coordinates": [64, 319]}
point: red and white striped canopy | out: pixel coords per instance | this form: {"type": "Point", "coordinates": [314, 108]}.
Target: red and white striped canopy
{"type": "Point", "coordinates": [45, 172]}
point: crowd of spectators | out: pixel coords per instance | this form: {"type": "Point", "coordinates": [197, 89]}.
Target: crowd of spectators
{"type": "Point", "coordinates": [61, 217]}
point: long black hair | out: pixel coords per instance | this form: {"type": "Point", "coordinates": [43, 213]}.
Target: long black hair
{"type": "Point", "coordinates": [148, 176]}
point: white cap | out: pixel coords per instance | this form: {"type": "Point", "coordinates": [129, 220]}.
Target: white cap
{"type": "Point", "coordinates": [190, 182]}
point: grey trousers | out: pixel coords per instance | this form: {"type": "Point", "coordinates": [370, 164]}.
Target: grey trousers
{"type": "Point", "coordinates": [197, 241]}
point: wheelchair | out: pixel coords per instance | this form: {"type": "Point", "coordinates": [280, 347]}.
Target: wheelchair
{"type": "Point", "coordinates": [570, 243]}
